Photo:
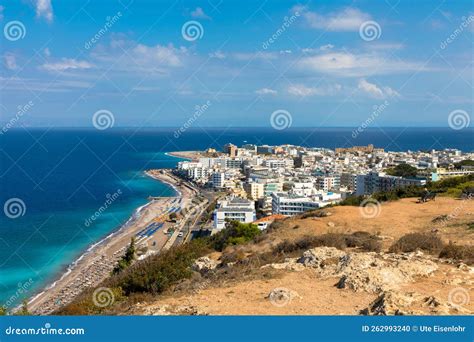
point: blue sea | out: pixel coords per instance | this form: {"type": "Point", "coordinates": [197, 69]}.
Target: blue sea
{"type": "Point", "coordinates": [63, 176]}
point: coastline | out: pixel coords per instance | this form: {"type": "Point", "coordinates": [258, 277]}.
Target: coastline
{"type": "Point", "coordinates": [189, 155]}
{"type": "Point", "coordinates": [98, 260]}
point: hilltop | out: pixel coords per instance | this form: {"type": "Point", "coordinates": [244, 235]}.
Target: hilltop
{"type": "Point", "coordinates": [331, 261]}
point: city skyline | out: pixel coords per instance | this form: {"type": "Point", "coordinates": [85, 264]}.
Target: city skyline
{"type": "Point", "coordinates": [321, 64]}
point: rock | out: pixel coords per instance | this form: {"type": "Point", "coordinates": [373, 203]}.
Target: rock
{"type": "Point", "coordinates": [331, 224]}
{"type": "Point", "coordinates": [204, 265]}
{"type": "Point", "coordinates": [290, 264]}
{"type": "Point", "coordinates": [371, 272]}
{"type": "Point", "coordinates": [282, 296]}
{"type": "Point", "coordinates": [318, 257]}
{"type": "Point", "coordinates": [397, 303]}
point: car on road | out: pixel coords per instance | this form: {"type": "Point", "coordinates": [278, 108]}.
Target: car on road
{"type": "Point", "coordinates": [181, 234]}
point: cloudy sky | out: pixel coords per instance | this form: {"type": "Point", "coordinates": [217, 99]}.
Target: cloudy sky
{"type": "Point", "coordinates": [153, 63]}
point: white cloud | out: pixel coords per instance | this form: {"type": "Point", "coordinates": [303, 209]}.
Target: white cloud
{"type": "Point", "coordinates": [375, 91]}
{"type": "Point", "coordinates": [66, 64]}
{"type": "Point", "coordinates": [347, 19]}
{"type": "Point", "coordinates": [304, 91]}
{"type": "Point", "coordinates": [217, 54]}
{"type": "Point", "coordinates": [199, 13]}
{"type": "Point", "coordinates": [158, 55]}
{"type": "Point", "coordinates": [44, 9]}
{"type": "Point", "coordinates": [266, 91]}
{"type": "Point", "coordinates": [356, 65]}
{"type": "Point", "coordinates": [10, 61]}
{"type": "Point", "coordinates": [326, 47]}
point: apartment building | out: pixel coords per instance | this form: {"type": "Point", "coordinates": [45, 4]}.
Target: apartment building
{"type": "Point", "coordinates": [234, 209]}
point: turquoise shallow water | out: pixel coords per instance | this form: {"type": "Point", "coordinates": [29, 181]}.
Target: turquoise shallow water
{"type": "Point", "coordinates": [64, 176]}
{"type": "Point", "coordinates": [60, 197]}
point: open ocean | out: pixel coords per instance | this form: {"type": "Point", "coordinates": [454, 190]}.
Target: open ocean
{"type": "Point", "coordinates": [63, 176]}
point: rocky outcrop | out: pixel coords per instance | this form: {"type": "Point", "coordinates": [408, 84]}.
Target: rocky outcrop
{"type": "Point", "coordinates": [371, 272]}
{"type": "Point", "coordinates": [204, 264]}
{"type": "Point", "coordinates": [412, 303]}
{"type": "Point", "coordinates": [166, 310]}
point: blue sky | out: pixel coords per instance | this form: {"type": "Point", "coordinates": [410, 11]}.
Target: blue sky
{"type": "Point", "coordinates": [250, 58]}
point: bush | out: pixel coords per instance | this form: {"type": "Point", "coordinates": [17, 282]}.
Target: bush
{"type": "Point", "coordinates": [235, 233]}
{"type": "Point", "coordinates": [314, 213]}
{"type": "Point", "coordinates": [417, 241]}
{"type": "Point", "coordinates": [157, 273]}
{"type": "Point", "coordinates": [362, 240]}
{"type": "Point", "coordinates": [460, 253]}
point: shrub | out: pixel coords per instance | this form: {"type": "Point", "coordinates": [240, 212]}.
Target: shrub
{"type": "Point", "coordinates": [314, 213]}
{"type": "Point", "coordinates": [417, 241]}
{"type": "Point", "coordinates": [365, 241]}
{"type": "Point", "coordinates": [127, 258]}
{"type": "Point", "coordinates": [362, 240]}
{"type": "Point", "coordinates": [460, 253]}
{"type": "Point", "coordinates": [235, 233]}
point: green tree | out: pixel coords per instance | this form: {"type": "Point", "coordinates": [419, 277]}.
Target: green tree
{"type": "Point", "coordinates": [3, 311]}
{"type": "Point", "coordinates": [127, 258]}
{"type": "Point", "coordinates": [235, 233]}
{"type": "Point", "coordinates": [403, 170]}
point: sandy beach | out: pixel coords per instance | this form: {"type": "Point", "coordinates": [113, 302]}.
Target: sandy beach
{"type": "Point", "coordinates": [98, 261]}
{"type": "Point", "coordinates": [191, 155]}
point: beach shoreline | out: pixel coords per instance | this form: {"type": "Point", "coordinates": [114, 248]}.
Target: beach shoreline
{"type": "Point", "coordinates": [98, 260]}
{"type": "Point", "coordinates": [189, 155]}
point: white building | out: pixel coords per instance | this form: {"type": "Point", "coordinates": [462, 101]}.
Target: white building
{"type": "Point", "coordinates": [218, 179]}
{"type": "Point", "coordinates": [291, 204]}
{"type": "Point", "coordinates": [235, 209]}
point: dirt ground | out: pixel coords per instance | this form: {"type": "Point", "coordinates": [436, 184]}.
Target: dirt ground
{"type": "Point", "coordinates": [312, 295]}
